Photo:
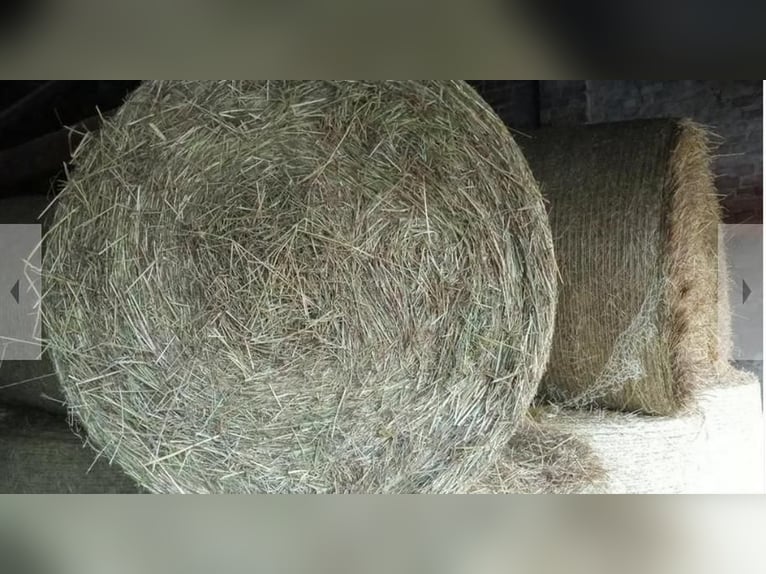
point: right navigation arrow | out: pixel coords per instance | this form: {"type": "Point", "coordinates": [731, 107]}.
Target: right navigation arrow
{"type": "Point", "coordinates": [745, 291]}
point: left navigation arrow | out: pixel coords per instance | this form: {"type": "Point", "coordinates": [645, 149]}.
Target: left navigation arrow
{"type": "Point", "coordinates": [15, 291]}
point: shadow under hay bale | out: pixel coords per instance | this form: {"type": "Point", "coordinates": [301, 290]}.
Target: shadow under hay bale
{"type": "Point", "coordinates": [29, 383]}
{"type": "Point", "coordinates": [634, 217]}
{"type": "Point", "coordinates": [40, 454]}
{"type": "Point", "coordinates": [32, 384]}
{"type": "Point", "coordinates": [301, 287]}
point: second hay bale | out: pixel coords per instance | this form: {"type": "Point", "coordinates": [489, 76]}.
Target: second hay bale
{"type": "Point", "coordinates": [301, 287]}
{"type": "Point", "coordinates": [635, 220]}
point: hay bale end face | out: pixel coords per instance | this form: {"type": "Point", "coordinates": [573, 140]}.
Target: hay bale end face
{"type": "Point", "coordinates": [635, 220]}
{"type": "Point", "coordinates": [301, 287]}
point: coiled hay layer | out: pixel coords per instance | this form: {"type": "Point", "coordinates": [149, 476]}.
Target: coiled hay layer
{"type": "Point", "coordinates": [635, 220]}
{"type": "Point", "coordinates": [301, 287]}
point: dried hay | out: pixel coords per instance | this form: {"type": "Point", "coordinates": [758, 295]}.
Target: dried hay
{"type": "Point", "coordinates": [301, 287]}
{"type": "Point", "coordinates": [634, 216]}
{"type": "Point", "coordinates": [542, 459]}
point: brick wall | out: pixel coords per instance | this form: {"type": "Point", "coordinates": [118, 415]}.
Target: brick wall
{"type": "Point", "coordinates": [731, 108]}
{"type": "Point", "coordinates": [515, 101]}
{"type": "Point", "coordinates": [563, 102]}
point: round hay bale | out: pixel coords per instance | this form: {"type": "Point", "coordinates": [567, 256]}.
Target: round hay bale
{"type": "Point", "coordinates": [301, 286]}
{"type": "Point", "coordinates": [634, 217]}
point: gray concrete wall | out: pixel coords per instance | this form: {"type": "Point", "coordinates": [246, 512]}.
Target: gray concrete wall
{"type": "Point", "coordinates": [732, 109]}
